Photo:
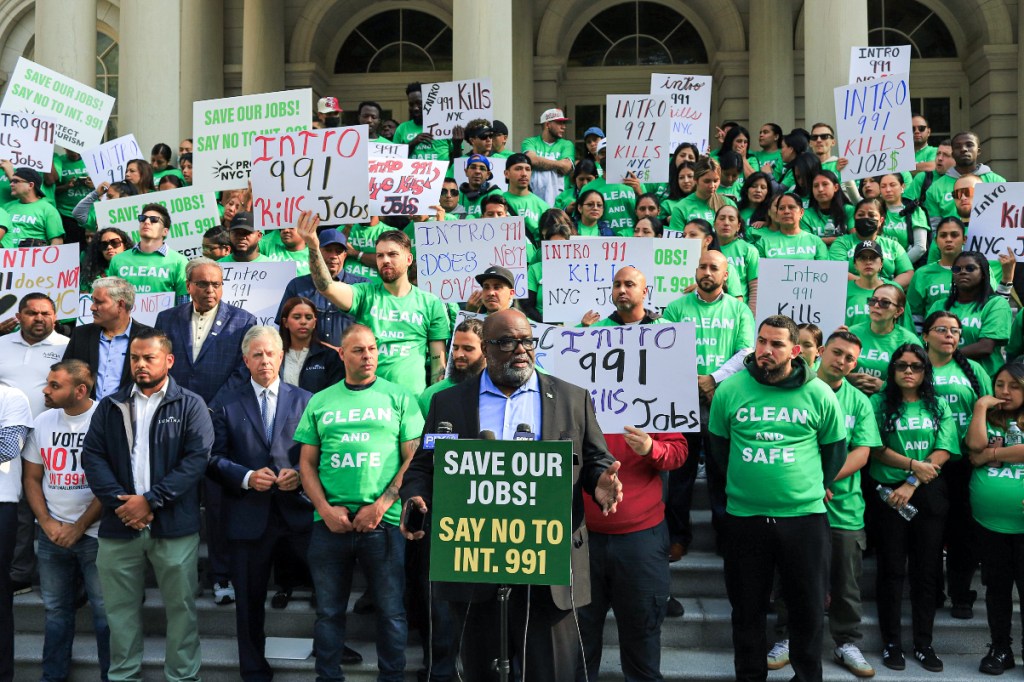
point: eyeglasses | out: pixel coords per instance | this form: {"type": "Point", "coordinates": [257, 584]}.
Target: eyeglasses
{"type": "Point", "coordinates": [920, 129]}
{"type": "Point", "coordinates": [915, 367]}
{"type": "Point", "coordinates": [824, 136]}
{"type": "Point", "coordinates": [207, 285]}
{"type": "Point", "coordinates": [954, 331]}
{"type": "Point", "coordinates": [449, 192]}
{"type": "Point", "coordinates": [15, 181]}
{"type": "Point", "coordinates": [963, 193]}
{"type": "Point", "coordinates": [880, 302]}
{"type": "Point", "coordinates": [111, 244]}
{"type": "Point", "coordinates": [507, 344]}
{"type": "Point", "coordinates": [591, 204]}
{"type": "Point", "coordinates": [155, 219]}
{"type": "Point", "coordinates": [969, 268]}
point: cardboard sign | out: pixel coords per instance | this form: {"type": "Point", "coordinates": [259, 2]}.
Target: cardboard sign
{"type": "Point", "coordinates": [108, 162]}
{"type": "Point", "coordinates": [192, 211]}
{"type": "Point", "coordinates": [451, 253]}
{"type": "Point", "coordinates": [675, 268]}
{"type": "Point", "coordinates": [497, 170]}
{"type": "Point", "coordinates": [804, 290]}
{"type": "Point", "coordinates": [874, 127]}
{"type": "Point", "coordinates": [404, 186]}
{"type": "Point", "coordinates": [324, 171]}
{"type": "Point", "coordinates": [638, 375]}
{"type": "Point", "coordinates": [257, 287]}
{"type": "Point", "coordinates": [26, 140]}
{"type": "Point", "coordinates": [52, 270]}
{"type": "Point", "coordinates": [455, 103]}
{"type": "Point", "coordinates": [79, 112]}
{"type": "Point", "coordinates": [638, 138]}
{"type": "Point", "coordinates": [225, 129]}
{"type": "Point", "coordinates": [147, 306]}
{"type": "Point", "coordinates": [382, 149]}
{"type": "Point", "coordinates": [502, 512]}
{"type": "Point", "coordinates": [577, 274]}
{"type": "Point", "coordinates": [689, 99]}
{"type": "Point", "coordinates": [869, 63]}
{"type": "Point", "coordinates": [996, 223]}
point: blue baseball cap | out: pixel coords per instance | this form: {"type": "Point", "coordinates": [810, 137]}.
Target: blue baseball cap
{"type": "Point", "coordinates": [332, 236]}
{"type": "Point", "coordinates": [478, 158]}
{"type": "Point", "coordinates": [593, 130]}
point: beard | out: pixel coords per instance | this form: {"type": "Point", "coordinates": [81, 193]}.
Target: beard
{"type": "Point", "coordinates": [507, 375]}
{"type": "Point", "coordinates": [392, 275]}
{"type": "Point", "coordinates": [151, 382]}
{"type": "Point", "coordinates": [771, 375]}
{"type": "Point", "coordinates": [470, 371]}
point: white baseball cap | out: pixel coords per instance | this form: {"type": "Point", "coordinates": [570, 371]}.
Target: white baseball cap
{"type": "Point", "coordinates": [553, 115]}
{"type": "Point", "coordinates": [328, 105]}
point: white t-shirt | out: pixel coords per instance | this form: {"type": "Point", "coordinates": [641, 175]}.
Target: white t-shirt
{"type": "Point", "coordinates": [14, 411]}
{"type": "Point", "coordinates": [56, 443]}
{"type": "Point", "coordinates": [25, 367]}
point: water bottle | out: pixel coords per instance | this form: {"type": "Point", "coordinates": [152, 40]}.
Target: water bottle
{"type": "Point", "coordinates": [908, 512]}
{"type": "Point", "coordinates": [1013, 436]}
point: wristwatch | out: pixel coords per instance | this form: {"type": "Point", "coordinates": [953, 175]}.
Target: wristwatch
{"type": "Point", "coordinates": [912, 480]}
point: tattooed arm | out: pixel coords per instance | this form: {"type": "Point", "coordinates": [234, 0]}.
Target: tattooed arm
{"type": "Point", "coordinates": [338, 293]}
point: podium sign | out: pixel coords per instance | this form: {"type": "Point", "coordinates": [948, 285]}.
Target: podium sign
{"type": "Point", "coordinates": [502, 512]}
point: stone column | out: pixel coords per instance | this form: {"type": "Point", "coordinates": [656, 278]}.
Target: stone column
{"type": "Point", "coordinates": [66, 38]}
{"type": "Point", "coordinates": [149, 92]}
{"type": "Point", "coordinates": [772, 92]}
{"type": "Point", "coordinates": [831, 28]}
{"type": "Point", "coordinates": [202, 57]}
{"type": "Point", "coordinates": [263, 46]}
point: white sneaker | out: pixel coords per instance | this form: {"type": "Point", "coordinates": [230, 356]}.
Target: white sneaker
{"type": "Point", "coordinates": [778, 657]}
{"type": "Point", "coordinates": [223, 594]}
{"type": "Point", "coordinates": [849, 655]}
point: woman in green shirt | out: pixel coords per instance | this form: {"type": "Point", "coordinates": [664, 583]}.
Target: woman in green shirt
{"type": "Point", "coordinates": [793, 145]}
{"type": "Point", "coordinates": [918, 438]}
{"type": "Point", "coordinates": [811, 341]}
{"type": "Point", "coordinates": [755, 202]}
{"type": "Point", "coordinates": [160, 160]}
{"type": "Point", "coordinates": [705, 200]}
{"type": "Point", "coordinates": [140, 174]}
{"type": "Point", "coordinates": [104, 246]}
{"type": "Point", "coordinates": [904, 220]}
{"type": "Point", "coordinates": [647, 206]}
{"type": "Point", "coordinates": [185, 161]}
{"type": "Point", "coordinates": [589, 214]}
{"type": "Point", "coordinates": [828, 215]}
{"type": "Point", "coordinates": [684, 185]}
{"type": "Point", "coordinates": [583, 174]}
{"type": "Point", "coordinates": [996, 507]}
{"type": "Point", "coordinates": [649, 228]}
{"type": "Point", "coordinates": [867, 225]}
{"type": "Point", "coordinates": [743, 258]}
{"type": "Point", "coordinates": [769, 138]}
{"type": "Point", "coordinates": [867, 261]}
{"type": "Point", "coordinates": [880, 338]}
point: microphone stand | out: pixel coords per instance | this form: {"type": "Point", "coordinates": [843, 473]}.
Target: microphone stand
{"type": "Point", "coordinates": [502, 664]}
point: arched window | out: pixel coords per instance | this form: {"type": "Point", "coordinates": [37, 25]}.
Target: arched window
{"type": "Point", "coordinates": [905, 22]}
{"type": "Point", "coordinates": [397, 40]}
{"type": "Point", "coordinates": [638, 34]}
{"type": "Point", "coordinates": [107, 69]}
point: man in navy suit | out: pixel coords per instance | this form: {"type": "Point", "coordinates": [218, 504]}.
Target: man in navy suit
{"type": "Point", "coordinates": [255, 459]}
{"type": "Point", "coordinates": [206, 334]}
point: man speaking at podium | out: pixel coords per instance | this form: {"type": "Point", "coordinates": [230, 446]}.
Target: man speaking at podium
{"type": "Point", "coordinates": [507, 394]}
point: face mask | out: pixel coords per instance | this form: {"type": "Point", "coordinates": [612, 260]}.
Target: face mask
{"type": "Point", "coordinates": [865, 227]}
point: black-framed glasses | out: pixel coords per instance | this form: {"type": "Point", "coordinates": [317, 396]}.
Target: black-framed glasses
{"type": "Point", "coordinates": [591, 204]}
{"type": "Point", "coordinates": [823, 136]}
{"type": "Point", "coordinates": [207, 285]}
{"type": "Point", "coordinates": [155, 219]}
{"type": "Point", "coordinates": [880, 302]}
{"type": "Point", "coordinates": [915, 367]}
{"type": "Point", "coordinates": [955, 331]}
{"type": "Point", "coordinates": [969, 268]}
{"type": "Point", "coordinates": [920, 129]}
{"type": "Point", "coordinates": [507, 344]}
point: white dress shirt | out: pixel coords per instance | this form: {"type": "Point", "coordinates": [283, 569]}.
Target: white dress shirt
{"type": "Point", "coordinates": [145, 409]}
{"type": "Point", "coordinates": [25, 366]}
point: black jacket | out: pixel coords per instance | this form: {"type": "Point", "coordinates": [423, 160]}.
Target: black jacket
{"type": "Point", "coordinates": [322, 368]}
{"type": "Point", "coordinates": [84, 345]}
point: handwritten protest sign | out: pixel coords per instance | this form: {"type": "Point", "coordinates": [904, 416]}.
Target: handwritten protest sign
{"type": "Point", "coordinates": [804, 290]}
{"type": "Point", "coordinates": [404, 186]}
{"type": "Point", "coordinates": [26, 140]}
{"type": "Point", "coordinates": [52, 270]}
{"type": "Point", "coordinates": [450, 253]}
{"type": "Point", "coordinates": [192, 211]}
{"type": "Point", "coordinates": [638, 137]}
{"type": "Point", "coordinates": [324, 171]}
{"type": "Point", "coordinates": [147, 306]}
{"type": "Point", "coordinates": [225, 129]}
{"type": "Point", "coordinates": [996, 219]}
{"type": "Point", "coordinates": [502, 512]}
{"type": "Point", "coordinates": [640, 375]}
{"type": "Point", "coordinates": [675, 268]}
{"type": "Point", "coordinates": [689, 99]}
{"type": "Point", "coordinates": [455, 103]}
{"type": "Point", "coordinates": [874, 127]}
{"type": "Point", "coordinates": [869, 63]}
{"type": "Point", "coordinates": [578, 274]}
{"type": "Point", "coordinates": [497, 170]}
{"type": "Point", "coordinates": [79, 112]}
{"type": "Point", "coordinates": [382, 149]}
{"type": "Point", "coordinates": [108, 162]}
{"type": "Point", "coordinates": [257, 287]}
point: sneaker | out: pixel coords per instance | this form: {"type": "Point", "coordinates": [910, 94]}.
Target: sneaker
{"type": "Point", "coordinates": [849, 655]}
{"type": "Point", "coordinates": [674, 609]}
{"type": "Point", "coordinates": [18, 587]}
{"type": "Point", "coordinates": [223, 594]}
{"type": "Point", "coordinates": [893, 658]}
{"type": "Point", "coordinates": [928, 660]}
{"type": "Point", "coordinates": [962, 611]}
{"type": "Point", "coordinates": [778, 657]}
{"type": "Point", "coordinates": [997, 661]}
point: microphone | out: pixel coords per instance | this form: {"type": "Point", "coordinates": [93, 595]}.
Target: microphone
{"type": "Point", "coordinates": [444, 427]}
{"type": "Point", "coordinates": [523, 432]}
{"type": "Point", "coordinates": [487, 434]}
{"type": "Point", "coordinates": [444, 432]}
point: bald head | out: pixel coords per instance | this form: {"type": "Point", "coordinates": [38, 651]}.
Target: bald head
{"type": "Point", "coordinates": [629, 289]}
{"type": "Point", "coordinates": [509, 369]}
{"type": "Point", "coordinates": [712, 272]}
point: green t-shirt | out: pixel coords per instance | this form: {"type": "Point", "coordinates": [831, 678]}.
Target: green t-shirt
{"type": "Point", "coordinates": [938, 200]}
{"type": "Point", "coordinates": [1015, 346]}
{"type": "Point", "coordinates": [996, 493]}
{"type": "Point", "coordinates": [773, 158]}
{"type": "Point", "coordinates": [820, 222]}
{"type": "Point", "coordinates": [952, 385]}
{"type": "Point", "coordinates": [743, 262]}
{"type": "Point", "coordinates": [619, 205]}
{"type": "Point", "coordinates": [775, 434]}
{"type": "Point", "coordinates": [565, 197]}
{"type": "Point", "coordinates": [70, 170]}
{"type": "Point", "coordinates": [857, 305]}
{"type": "Point", "coordinates": [876, 351]}
{"type": "Point", "coordinates": [931, 284]}
{"type": "Point", "coordinates": [894, 257]}
{"type": "Point", "coordinates": [534, 283]}
{"type": "Point", "coordinates": [896, 225]}
{"type": "Point", "coordinates": [37, 220]}
{"type": "Point", "coordinates": [273, 249]}
{"type": "Point", "coordinates": [989, 321]}
{"type": "Point", "coordinates": [403, 326]}
{"type": "Point", "coordinates": [548, 184]}
{"type": "Point", "coordinates": [428, 393]}
{"type": "Point", "coordinates": [800, 246]}
{"type": "Point", "coordinates": [438, 150]}
{"type": "Point", "coordinates": [693, 207]}
{"type": "Point", "coordinates": [472, 206]}
{"type": "Point", "coordinates": [916, 436]}
{"type": "Point", "coordinates": [724, 327]}
{"type": "Point", "coordinates": [363, 238]}
{"type": "Point", "coordinates": [846, 508]}
{"type": "Point", "coordinates": [151, 273]}
{"type": "Point", "coordinates": [360, 435]}
{"type": "Point", "coordinates": [925, 154]}
{"type": "Point", "coordinates": [531, 207]}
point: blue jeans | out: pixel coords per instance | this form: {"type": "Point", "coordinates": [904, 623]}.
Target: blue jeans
{"type": "Point", "coordinates": [332, 557]}
{"type": "Point", "coordinates": [57, 583]}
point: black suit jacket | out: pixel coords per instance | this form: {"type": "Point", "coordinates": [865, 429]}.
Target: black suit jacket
{"type": "Point", "coordinates": [567, 413]}
{"type": "Point", "coordinates": [84, 345]}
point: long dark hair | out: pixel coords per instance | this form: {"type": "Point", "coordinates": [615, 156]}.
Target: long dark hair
{"type": "Point", "coordinates": [286, 310]}
{"type": "Point", "coordinates": [95, 265]}
{"type": "Point", "coordinates": [674, 192]}
{"type": "Point", "coordinates": [673, 169]}
{"type": "Point", "coordinates": [999, 417]}
{"type": "Point", "coordinates": [893, 405]}
{"type": "Point", "coordinates": [145, 175]}
{"type": "Point", "coordinates": [730, 138]}
{"type": "Point", "coordinates": [805, 167]}
{"type": "Point", "coordinates": [958, 356]}
{"type": "Point", "coordinates": [760, 213]}
{"type": "Point", "coordinates": [837, 207]}
{"type": "Point", "coordinates": [985, 290]}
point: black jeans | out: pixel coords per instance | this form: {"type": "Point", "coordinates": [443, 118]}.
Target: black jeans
{"type": "Point", "coordinates": [799, 547]}
{"type": "Point", "coordinates": [1002, 566]}
{"type": "Point", "coordinates": [8, 530]}
{"type": "Point", "coordinates": [961, 562]}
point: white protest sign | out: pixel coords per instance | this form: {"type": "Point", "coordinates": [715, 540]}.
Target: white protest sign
{"type": "Point", "coordinates": [577, 274]}
{"type": "Point", "coordinates": [147, 306]}
{"type": "Point", "coordinates": [497, 170]}
{"type": "Point", "coordinates": [638, 375]}
{"type": "Point", "coordinates": [869, 63]}
{"type": "Point", "coordinates": [224, 131]}
{"type": "Point", "coordinates": [192, 211]}
{"type": "Point", "coordinates": [107, 162]}
{"type": "Point", "coordinates": [324, 171]}
{"type": "Point", "coordinates": [675, 268]}
{"type": "Point", "coordinates": [873, 123]}
{"type": "Point", "coordinates": [455, 103]}
{"type": "Point", "coordinates": [405, 186]}
{"type": "Point", "coordinates": [689, 99]}
{"type": "Point", "coordinates": [79, 112]}
{"type": "Point", "coordinates": [638, 138]}
{"type": "Point", "coordinates": [382, 149]}
{"type": "Point", "coordinates": [52, 270]}
{"type": "Point", "coordinates": [26, 140]}
{"type": "Point", "coordinates": [996, 223]}
{"type": "Point", "coordinates": [451, 253]}
{"type": "Point", "coordinates": [804, 290]}
{"type": "Point", "coordinates": [257, 287]}
{"type": "Point", "coordinates": [544, 333]}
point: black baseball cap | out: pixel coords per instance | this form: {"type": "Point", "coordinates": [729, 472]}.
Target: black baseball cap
{"type": "Point", "coordinates": [30, 175]}
{"type": "Point", "coordinates": [243, 221]}
{"type": "Point", "coordinates": [867, 245]}
{"type": "Point", "coordinates": [518, 157]}
{"type": "Point", "coordinates": [497, 272]}
{"type": "Point", "coordinates": [499, 128]}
